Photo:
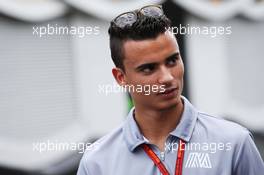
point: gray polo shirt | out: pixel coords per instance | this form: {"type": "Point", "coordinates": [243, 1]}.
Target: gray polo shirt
{"type": "Point", "coordinates": [214, 146]}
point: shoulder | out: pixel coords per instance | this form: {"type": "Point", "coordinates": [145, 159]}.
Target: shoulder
{"type": "Point", "coordinates": [113, 139]}
{"type": "Point", "coordinates": [219, 129]}
{"type": "Point", "coordinates": [102, 150]}
{"type": "Point", "coordinates": [223, 133]}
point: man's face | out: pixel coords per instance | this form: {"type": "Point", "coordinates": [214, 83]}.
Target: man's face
{"type": "Point", "coordinates": [153, 62]}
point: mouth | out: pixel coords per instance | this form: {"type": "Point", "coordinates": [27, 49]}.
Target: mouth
{"type": "Point", "coordinates": [168, 92]}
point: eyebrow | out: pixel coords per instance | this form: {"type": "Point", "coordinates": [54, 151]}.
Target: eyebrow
{"type": "Point", "coordinates": [138, 68]}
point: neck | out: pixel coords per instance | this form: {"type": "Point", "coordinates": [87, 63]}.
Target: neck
{"type": "Point", "coordinates": [156, 125]}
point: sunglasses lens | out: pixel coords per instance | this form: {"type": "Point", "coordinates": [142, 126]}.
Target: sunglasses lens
{"type": "Point", "coordinates": [126, 19]}
{"type": "Point", "coordinates": [129, 18]}
{"type": "Point", "coordinates": [152, 11]}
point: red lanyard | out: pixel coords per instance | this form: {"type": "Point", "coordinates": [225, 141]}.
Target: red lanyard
{"type": "Point", "coordinates": [160, 165]}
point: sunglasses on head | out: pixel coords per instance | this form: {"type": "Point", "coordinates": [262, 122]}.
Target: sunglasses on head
{"type": "Point", "coordinates": [129, 18]}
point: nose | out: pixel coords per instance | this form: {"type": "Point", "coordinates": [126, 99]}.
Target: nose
{"type": "Point", "coordinates": [165, 75]}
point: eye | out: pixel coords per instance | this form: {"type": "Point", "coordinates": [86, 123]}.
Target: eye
{"type": "Point", "coordinates": [173, 60]}
{"type": "Point", "coordinates": [147, 68]}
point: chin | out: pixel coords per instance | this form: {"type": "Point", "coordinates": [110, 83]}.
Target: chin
{"type": "Point", "coordinates": [165, 105]}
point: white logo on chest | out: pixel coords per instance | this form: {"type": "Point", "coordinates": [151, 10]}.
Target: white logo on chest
{"type": "Point", "coordinates": [198, 160]}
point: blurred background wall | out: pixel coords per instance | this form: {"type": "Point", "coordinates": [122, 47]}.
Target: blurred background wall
{"type": "Point", "coordinates": [51, 84]}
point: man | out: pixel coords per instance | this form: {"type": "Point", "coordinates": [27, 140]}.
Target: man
{"type": "Point", "coordinates": [164, 133]}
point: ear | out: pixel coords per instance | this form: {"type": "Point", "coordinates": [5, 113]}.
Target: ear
{"type": "Point", "coordinates": [119, 75]}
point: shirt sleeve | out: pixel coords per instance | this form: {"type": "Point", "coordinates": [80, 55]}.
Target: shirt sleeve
{"type": "Point", "coordinates": [248, 160]}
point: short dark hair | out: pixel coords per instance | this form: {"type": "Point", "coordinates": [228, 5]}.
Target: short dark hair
{"type": "Point", "coordinates": [144, 28]}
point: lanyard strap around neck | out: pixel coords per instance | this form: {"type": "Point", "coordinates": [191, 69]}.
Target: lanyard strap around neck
{"type": "Point", "coordinates": [160, 165]}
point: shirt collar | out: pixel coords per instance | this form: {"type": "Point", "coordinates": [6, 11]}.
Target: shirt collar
{"type": "Point", "coordinates": [184, 129]}
{"type": "Point", "coordinates": [132, 134]}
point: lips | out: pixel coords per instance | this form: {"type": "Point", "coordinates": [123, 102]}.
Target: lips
{"type": "Point", "coordinates": [167, 91]}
